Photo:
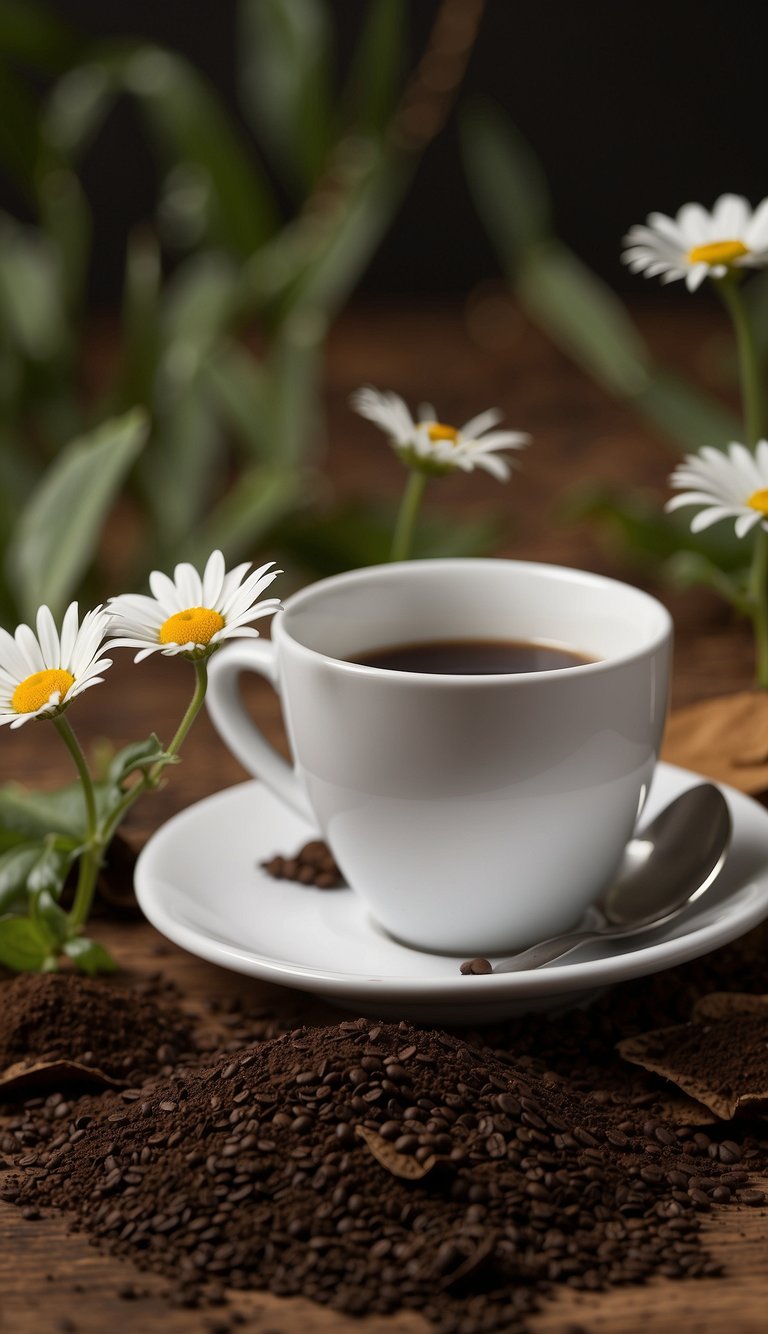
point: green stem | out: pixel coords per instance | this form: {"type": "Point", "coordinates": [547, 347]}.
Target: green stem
{"type": "Point", "coordinates": [195, 705]}
{"type": "Point", "coordinates": [749, 362]}
{"type": "Point", "coordinates": [73, 746]}
{"type": "Point", "coordinates": [752, 399]}
{"type": "Point", "coordinates": [758, 588]}
{"type": "Point", "coordinates": [90, 857]}
{"type": "Point", "coordinates": [151, 777]}
{"type": "Point", "coordinates": [402, 541]}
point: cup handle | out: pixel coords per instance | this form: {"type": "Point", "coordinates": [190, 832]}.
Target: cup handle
{"type": "Point", "coordinates": [238, 730]}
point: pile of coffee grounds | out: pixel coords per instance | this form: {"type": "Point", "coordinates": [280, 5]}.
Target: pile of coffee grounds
{"type": "Point", "coordinates": [314, 864]}
{"type": "Point", "coordinates": [49, 1017]}
{"type": "Point", "coordinates": [500, 1185]}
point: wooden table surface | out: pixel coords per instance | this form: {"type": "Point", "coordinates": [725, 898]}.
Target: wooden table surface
{"type": "Point", "coordinates": [53, 1281]}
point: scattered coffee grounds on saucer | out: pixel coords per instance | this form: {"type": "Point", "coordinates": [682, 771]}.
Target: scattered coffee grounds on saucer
{"type": "Point", "coordinates": [313, 864]}
{"type": "Point", "coordinates": [720, 1058]}
{"type": "Point", "coordinates": [61, 1017]}
{"type": "Point", "coordinates": [475, 967]}
{"type": "Point", "coordinates": [270, 1169]}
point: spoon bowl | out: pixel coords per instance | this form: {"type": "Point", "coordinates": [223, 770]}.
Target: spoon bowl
{"type": "Point", "coordinates": [669, 865]}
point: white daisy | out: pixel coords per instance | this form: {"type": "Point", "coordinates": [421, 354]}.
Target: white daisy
{"type": "Point", "coordinates": [696, 244]}
{"type": "Point", "coordinates": [40, 674]}
{"type": "Point", "coordinates": [191, 615]}
{"type": "Point", "coordinates": [732, 485]}
{"type": "Point", "coordinates": [431, 446]}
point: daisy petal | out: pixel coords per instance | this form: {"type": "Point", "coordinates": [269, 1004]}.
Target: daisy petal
{"type": "Point", "coordinates": [669, 249]}
{"type": "Point", "coordinates": [32, 665]}
{"type": "Point", "coordinates": [429, 444]}
{"type": "Point", "coordinates": [216, 606]}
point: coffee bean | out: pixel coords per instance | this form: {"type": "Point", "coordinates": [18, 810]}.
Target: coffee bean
{"type": "Point", "coordinates": [752, 1197]}
{"type": "Point", "coordinates": [729, 1152]}
{"type": "Point", "coordinates": [476, 967]}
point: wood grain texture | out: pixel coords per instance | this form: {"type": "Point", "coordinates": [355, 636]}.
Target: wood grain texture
{"type": "Point", "coordinates": [51, 1280]}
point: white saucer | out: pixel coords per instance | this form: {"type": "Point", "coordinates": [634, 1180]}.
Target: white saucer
{"type": "Point", "coordinates": [199, 881]}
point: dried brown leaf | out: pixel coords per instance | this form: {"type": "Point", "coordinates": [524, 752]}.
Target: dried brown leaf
{"type": "Point", "coordinates": [402, 1165]}
{"type": "Point", "coordinates": [720, 1063]}
{"type": "Point", "coordinates": [50, 1076]}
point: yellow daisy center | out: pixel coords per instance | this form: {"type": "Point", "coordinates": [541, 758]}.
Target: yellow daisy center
{"type": "Point", "coordinates": [759, 501]}
{"type": "Point", "coordinates": [437, 431]}
{"type": "Point", "coordinates": [718, 252]}
{"type": "Point", "coordinates": [35, 690]}
{"type": "Point", "coordinates": [196, 625]}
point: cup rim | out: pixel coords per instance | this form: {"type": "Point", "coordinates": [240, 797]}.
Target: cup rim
{"type": "Point", "coordinates": [452, 679]}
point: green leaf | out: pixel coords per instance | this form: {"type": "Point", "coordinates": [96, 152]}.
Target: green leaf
{"type": "Point", "coordinates": [22, 948]}
{"type": "Point", "coordinates": [285, 82]}
{"type": "Point", "coordinates": [261, 497]}
{"type": "Point", "coordinates": [138, 756]}
{"type": "Point", "coordinates": [18, 475]}
{"type": "Point", "coordinates": [237, 384]}
{"type": "Point", "coordinates": [373, 85]}
{"type": "Point", "coordinates": [178, 472]}
{"type": "Point", "coordinates": [201, 300]}
{"type": "Point", "coordinates": [140, 322]}
{"type": "Point", "coordinates": [89, 956]}
{"type": "Point", "coordinates": [66, 220]}
{"type": "Point", "coordinates": [291, 373]}
{"type": "Point", "coordinates": [583, 317]}
{"type": "Point", "coordinates": [689, 569]}
{"type": "Point", "coordinates": [48, 872]}
{"type": "Point", "coordinates": [189, 126]}
{"type": "Point", "coordinates": [331, 253]}
{"type": "Point", "coordinates": [31, 303]}
{"type": "Point", "coordinates": [51, 920]}
{"type": "Point", "coordinates": [10, 838]}
{"type": "Point", "coordinates": [507, 183]}
{"type": "Point", "coordinates": [34, 815]}
{"type": "Point", "coordinates": [76, 107]}
{"type": "Point", "coordinates": [192, 129]}
{"type": "Point", "coordinates": [15, 866]}
{"type": "Point", "coordinates": [59, 527]}
{"type": "Point", "coordinates": [653, 536]}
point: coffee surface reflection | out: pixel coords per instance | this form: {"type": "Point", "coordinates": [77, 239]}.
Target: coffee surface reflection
{"type": "Point", "coordinates": [472, 657]}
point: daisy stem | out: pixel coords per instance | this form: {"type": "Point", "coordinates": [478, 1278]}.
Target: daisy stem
{"type": "Point", "coordinates": [758, 587]}
{"type": "Point", "coordinates": [195, 705]}
{"type": "Point", "coordinates": [406, 519]}
{"type": "Point", "coordinates": [90, 857]}
{"type": "Point", "coordinates": [749, 364]}
{"type": "Point", "coordinates": [752, 398]}
{"type": "Point", "coordinates": [151, 777]}
{"type": "Point", "coordinates": [73, 746]}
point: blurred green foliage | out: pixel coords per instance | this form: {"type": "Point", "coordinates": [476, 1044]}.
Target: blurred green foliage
{"type": "Point", "coordinates": [216, 444]}
{"type": "Point", "coordinates": [588, 321]}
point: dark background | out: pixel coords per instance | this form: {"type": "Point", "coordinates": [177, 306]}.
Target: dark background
{"type": "Point", "coordinates": [630, 108]}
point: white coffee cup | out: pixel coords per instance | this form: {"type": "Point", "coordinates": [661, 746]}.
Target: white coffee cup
{"type": "Point", "coordinates": [473, 814]}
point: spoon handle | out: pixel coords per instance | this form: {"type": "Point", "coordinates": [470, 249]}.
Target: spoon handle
{"type": "Point", "coordinates": [545, 951]}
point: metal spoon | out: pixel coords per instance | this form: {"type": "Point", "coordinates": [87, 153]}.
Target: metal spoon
{"type": "Point", "coordinates": [672, 863]}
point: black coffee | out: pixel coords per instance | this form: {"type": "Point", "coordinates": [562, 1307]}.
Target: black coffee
{"type": "Point", "coordinates": [472, 657]}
